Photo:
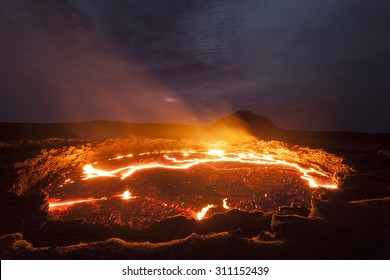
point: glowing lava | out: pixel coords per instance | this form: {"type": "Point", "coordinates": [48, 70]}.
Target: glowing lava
{"type": "Point", "coordinates": [72, 202]}
{"type": "Point", "coordinates": [224, 205]}
{"type": "Point", "coordinates": [127, 195]}
{"type": "Point", "coordinates": [200, 215]}
{"type": "Point", "coordinates": [171, 162]}
{"type": "Point", "coordinates": [215, 152]}
{"type": "Point", "coordinates": [94, 173]}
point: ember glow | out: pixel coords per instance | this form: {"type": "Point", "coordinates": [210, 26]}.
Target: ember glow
{"type": "Point", "coordinates": [138, 188]}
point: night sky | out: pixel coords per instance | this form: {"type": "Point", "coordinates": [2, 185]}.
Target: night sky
{"type": "Point", "coordinates": [313, 65]}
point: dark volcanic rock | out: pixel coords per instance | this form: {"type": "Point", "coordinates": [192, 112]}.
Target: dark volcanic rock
{"type": "Point", "coordinates": [333, 230]}
{"type": "Point", "coordinates": [294, 209]}
{"type": "Point", "coordinates": [62, 233]}
{"type": "Point", "coordinates": [22, 213]}
{"type": "Point", "coordinates": [339, 230]}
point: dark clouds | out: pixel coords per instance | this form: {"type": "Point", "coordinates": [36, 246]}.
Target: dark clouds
{"type": "Point", "coordinates": [305, 64]}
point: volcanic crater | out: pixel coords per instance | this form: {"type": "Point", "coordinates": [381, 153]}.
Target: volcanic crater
{"type": "Point", "coordinates": [251, 193]}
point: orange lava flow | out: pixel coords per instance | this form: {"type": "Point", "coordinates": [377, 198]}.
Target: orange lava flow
{"type": "Point", "coordinates": [193, 159]}
{"type": "Point", "coordinates": [126, 195]}
{"type": "Point", "coordinates": [200, 215]}
{"type": "Point", "coordinates": [72, 202]}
